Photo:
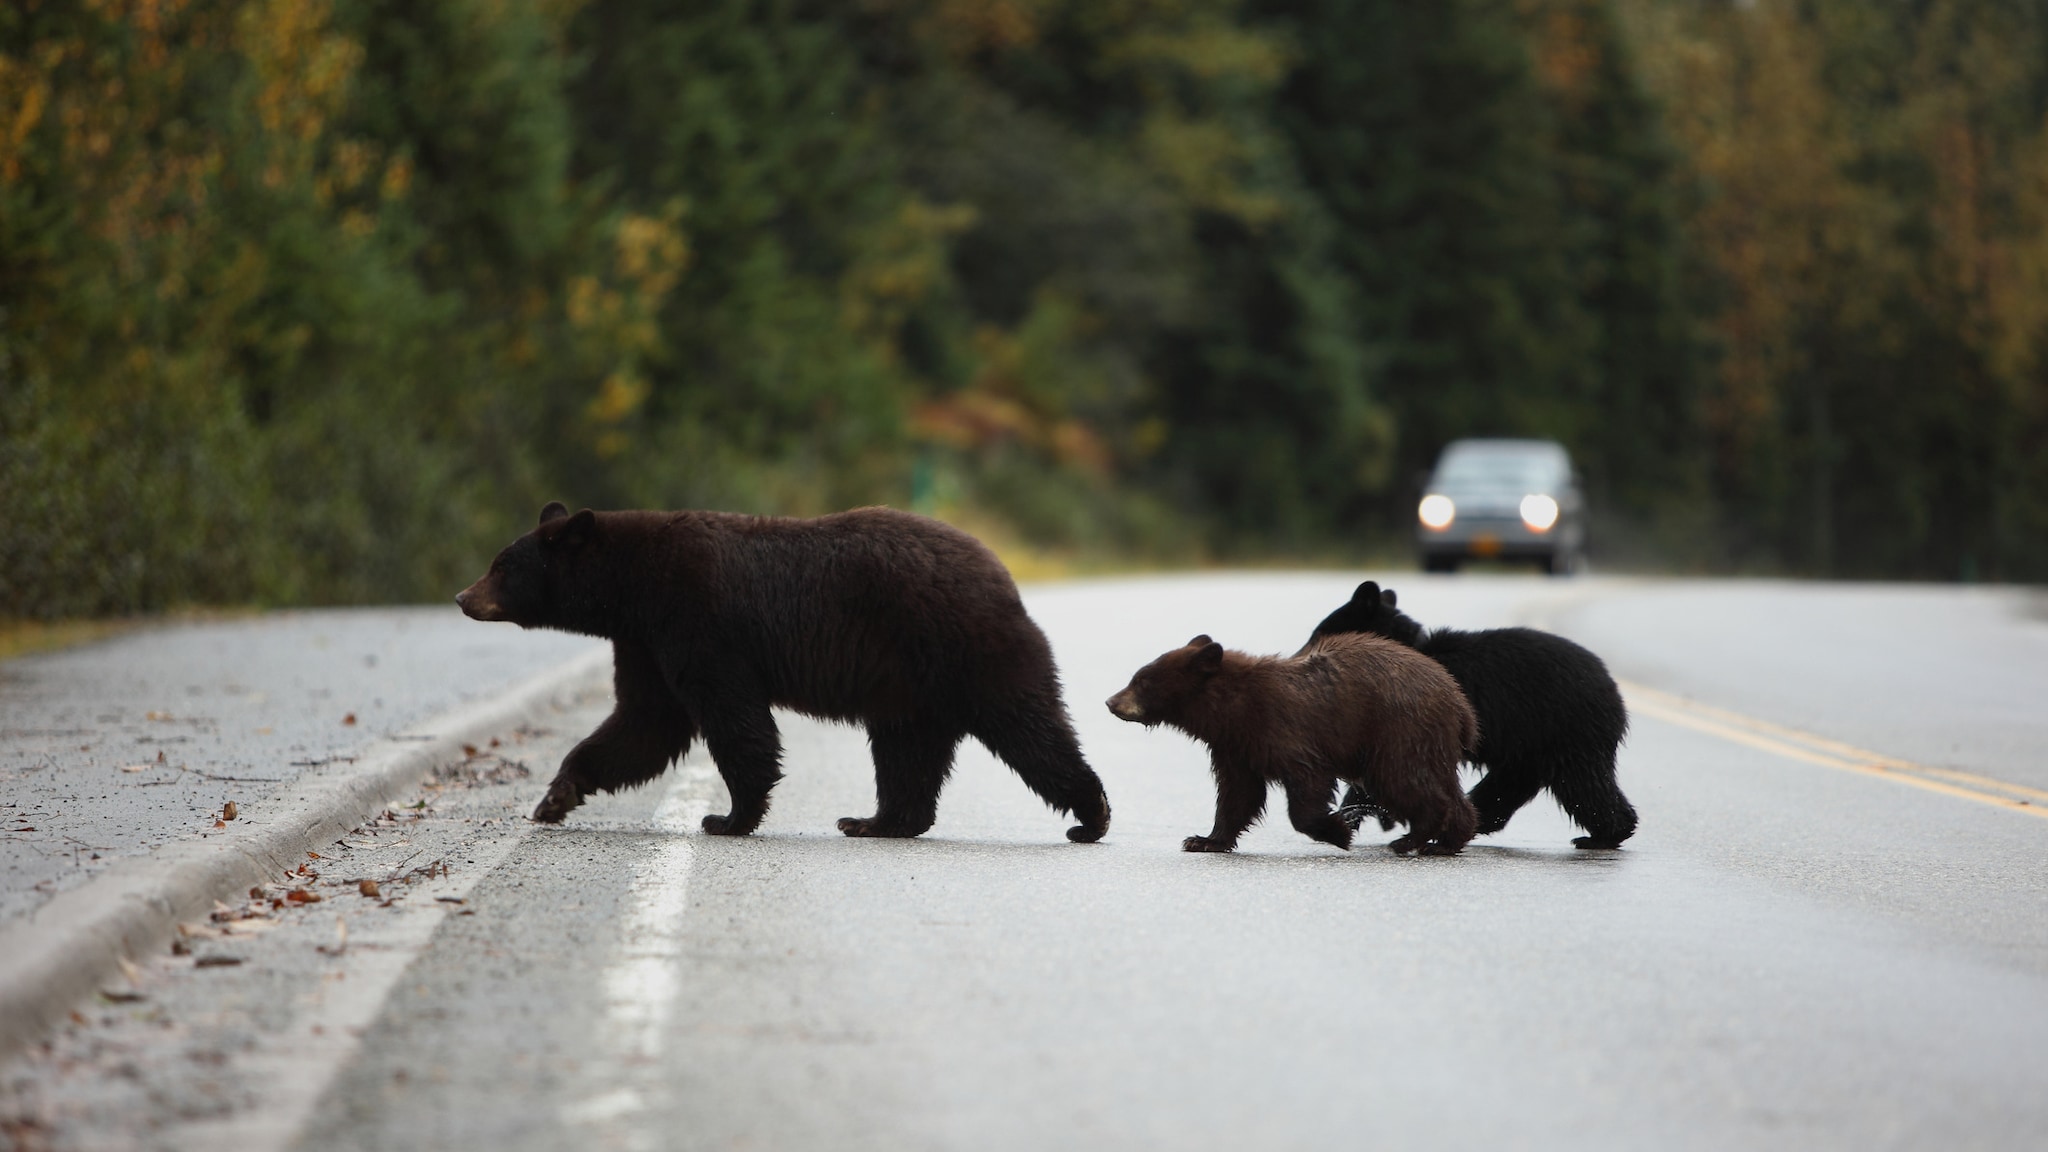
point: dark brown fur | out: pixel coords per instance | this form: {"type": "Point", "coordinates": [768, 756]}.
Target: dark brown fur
{"type": "Point", "coordinates": [1350, 708]}
{"type": "Point", "coordinates": [890, 620]}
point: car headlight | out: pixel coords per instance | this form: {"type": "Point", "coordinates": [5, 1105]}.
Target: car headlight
{"type": "Point", "coordinates": [1437, 512]}
{"type": "Point", "coordinates": [1539, 512]}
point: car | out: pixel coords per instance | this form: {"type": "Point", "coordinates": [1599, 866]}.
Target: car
{"type": "Point", "coordinates": [1502, 499]}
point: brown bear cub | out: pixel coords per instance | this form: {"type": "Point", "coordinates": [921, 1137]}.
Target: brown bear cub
{"type": "Point", "coordinates": [879, 617]}
{"type": "Point", "coordinates": [1346, 708]}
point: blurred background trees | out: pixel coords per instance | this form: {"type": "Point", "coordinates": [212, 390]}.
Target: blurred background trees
{"type": "Point", "coordinates": [318, 300]}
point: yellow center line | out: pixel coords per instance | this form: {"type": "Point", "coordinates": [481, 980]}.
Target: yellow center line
{"type": "Point", "coordinates": [1809, 748]}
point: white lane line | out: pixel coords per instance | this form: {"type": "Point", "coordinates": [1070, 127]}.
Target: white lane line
{"type": "Point", "coordinates": [644, 975]}
{"type": "Point", "coordinates": [296, 1070]}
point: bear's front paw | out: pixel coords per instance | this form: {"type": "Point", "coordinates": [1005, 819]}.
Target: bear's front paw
{"type": "Point", "coordinates": [1204, 844]}
{"type": "Point", "coordinates": [1594, 842]}
{"type": "Point", "coordinates": [563, 798]}
{"type": "Point", "coordinates": [1403, 845]}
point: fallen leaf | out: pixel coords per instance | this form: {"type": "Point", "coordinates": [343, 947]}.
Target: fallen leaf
{"type": "Point", "coordinates": [220, 823]}
{"type": "Point", "coordinates": [228, 811]}
{"type": "Point", "coordinates": [264, 731]}
{"type": "Point", "coordinates": [313, 855]}
{"type": "Point", "coordinates": [302, 896]}
{"type": "Point", "coordinates": [159, 755]}
{"type": "Point", "coordinates": [121, 995]}
{"type": "Point", "coordinates": [469, 750]}
{"type": "Point", "coordinates": [449, 899]}
{"type": "Point", "coordinates": [222, 914]}
{"type": "Point", "coordinates": [340, 939]}
{"type": "Point", "coordinates": [129, 970]}
{"type": "Point", "coordinates": [156, 716]}
{"type": "Point", "coordinates": [216, 961]}
{"type": "Point", "coordinates": [180, 948]}
{"type": "Point", "coordinates": [348, 721]}
{"type": "Point", "coordinates": [367, 888]}
{"type": "Point", "coordinates": [136, 767]}
{"type": "Point", "coordinates": [23, 828]}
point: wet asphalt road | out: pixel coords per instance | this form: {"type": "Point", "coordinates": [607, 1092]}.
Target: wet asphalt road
{"type": "Point", "coordinates": [110, 750]}
{"type": "Point", "coordinates": [1793, 951]}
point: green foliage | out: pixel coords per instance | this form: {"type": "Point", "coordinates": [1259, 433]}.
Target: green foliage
{"type": "Point", "coordinates": [317, 300]}
{"type": "Point", "coordinates": [1506, 209]}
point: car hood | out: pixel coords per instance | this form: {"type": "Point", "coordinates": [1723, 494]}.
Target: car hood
{"type": "Point", "coordinates": [1490, 499]}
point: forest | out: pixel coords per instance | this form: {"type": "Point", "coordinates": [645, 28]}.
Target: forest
{"type": "Point", "coordinates": [317, 301]}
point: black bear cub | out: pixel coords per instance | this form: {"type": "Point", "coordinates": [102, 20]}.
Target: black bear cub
{"type": "Point", "coordinates": [1353, 708]}
{"type": "Point", "coordinates": [1550, 716]}
{"type": "Point", "coordinates": [897, 622]}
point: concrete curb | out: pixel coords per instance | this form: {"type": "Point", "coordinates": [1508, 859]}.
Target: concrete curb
{"type": "Point", "coordinates": [72, 945]}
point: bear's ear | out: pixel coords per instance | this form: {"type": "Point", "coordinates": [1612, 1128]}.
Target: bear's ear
{"type": "Point", "coordinates": [1209, 659]}
{"type": "Point", "coordinates": [1368, 593]}
{"type": "Point", "coordinates": [578, 531]}
{"type": "Point", "coordinates": [1387, 597]}
{"type": "Point", "coordinates": [1199, 641]}
{"type": "Point", "coordinates": [555, 510]}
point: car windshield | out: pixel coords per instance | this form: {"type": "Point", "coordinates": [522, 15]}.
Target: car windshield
{"type": "Point", "coordinates": [1522, 467]}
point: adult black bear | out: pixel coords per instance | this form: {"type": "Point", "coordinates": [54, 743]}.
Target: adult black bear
{"type": "Point", "coordinates": [1354, 708]}
{"type": "Point", "coordinates": [1549, 717]}
{"type": "Point", "coordinates": [898, 622]}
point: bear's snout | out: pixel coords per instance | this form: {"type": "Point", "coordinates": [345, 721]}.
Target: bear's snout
{"type": "Point", "coordinates": [1124, 705]}
{"type": "Point", "coordinates": [478, 603]}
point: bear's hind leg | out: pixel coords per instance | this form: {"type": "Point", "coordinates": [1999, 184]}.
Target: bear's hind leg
{"type": "Point", "coordinates": [1586, 790]}
{"type": "Point", "coordinates": [911, 766]}
{"type": "Point", "coordinates": [748, 750]}
{"type": "Point", "coordinates": [1038, 743]}
{"type": "Point", "coordinates": [1447, 831]}
{"type": "Point", "coordinates": [1506, 788]}
{"type": "Point", "coordinates": [1441, 821]}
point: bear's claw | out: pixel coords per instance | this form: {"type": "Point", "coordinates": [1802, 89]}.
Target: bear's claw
{"type": "Point", "coordinates": [874, 826]}
{"type": "Point", "coordinates": [1357, 814]}
{"type": "Point", "coordinates": [563, 798]}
